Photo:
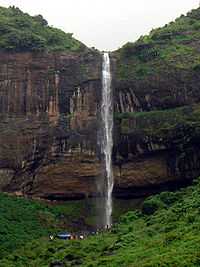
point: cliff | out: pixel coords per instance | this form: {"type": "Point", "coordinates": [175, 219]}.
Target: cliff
{"type": "Point", "coordinates": [50, 107]}
{"type": "Point", "coordinates": [157, 107]}
{"type": "Point", "coordinates": [48, 130]}
{"type": "Point", "coordinates": [50, 89]}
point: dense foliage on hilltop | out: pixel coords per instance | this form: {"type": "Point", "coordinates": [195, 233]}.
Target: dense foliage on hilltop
{"type": "Point", "coordinates": [21, 32]}
{"type": "Point", "coordinates": [164, 233]}
{"type": "Point", "coordinates": [172, 48]}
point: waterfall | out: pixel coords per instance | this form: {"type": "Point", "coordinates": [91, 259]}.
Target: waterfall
{"type": "Point", "coordinates": [107, 138]}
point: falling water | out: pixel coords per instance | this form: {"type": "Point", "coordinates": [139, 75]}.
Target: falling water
{"type": "Point", "coordinates": [107, 138]}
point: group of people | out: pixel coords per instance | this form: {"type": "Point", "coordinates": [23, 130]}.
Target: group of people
{"type": "Point", "coordinates": [69, 236]}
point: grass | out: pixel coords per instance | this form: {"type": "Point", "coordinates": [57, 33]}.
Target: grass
{"type": "Point", "coordinates": [164, 233]}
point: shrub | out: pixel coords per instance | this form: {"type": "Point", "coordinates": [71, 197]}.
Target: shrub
{"type": "Point", "coordinates": [129, 217]}
{"type": "Point", "coordinates": [168, 198]}
{"type": "Point", "coordinates": [151, 205]}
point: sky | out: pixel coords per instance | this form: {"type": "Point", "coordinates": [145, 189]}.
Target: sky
{"type": "Point", "coordinates": [106, 24]}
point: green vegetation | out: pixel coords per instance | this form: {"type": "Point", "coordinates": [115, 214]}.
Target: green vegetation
{"type": "Point", "coordinates": [174, 47]}
{"type": "Point", "coordinates": [166, 230]}
{"type": "Point", "coordinates": [21, 32]}
{"type": "Point", "coordinates": [164, 233]}
{"type": "Point", "coordinates": [23, 220]}
{"type": "Point", "coordinates": [160, 122]}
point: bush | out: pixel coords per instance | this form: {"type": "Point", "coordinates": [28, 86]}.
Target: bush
{"type": "Point", "coordinates": [129, 217]}
{"type": "Point", "coordinates": [194, 14]}
{"type": "Point", "coordinates": [151, 205]}
{"type": "Point", "coordinates": [168, 198]}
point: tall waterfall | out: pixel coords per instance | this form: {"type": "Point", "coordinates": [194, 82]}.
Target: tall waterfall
{"type": "Point", "coordinates": [107, 138]}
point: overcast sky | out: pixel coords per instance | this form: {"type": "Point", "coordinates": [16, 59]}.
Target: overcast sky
{"type": "Point", "coordinates": [106, 24]}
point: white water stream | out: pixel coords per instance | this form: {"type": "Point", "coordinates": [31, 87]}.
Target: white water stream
{"type": "Point", "coordinates": [107, 137]}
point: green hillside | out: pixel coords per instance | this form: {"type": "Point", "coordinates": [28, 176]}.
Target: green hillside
{"type": "Point", "coordinates": [164, 233]}
{"type": "Point", "coordinates": [20, 32]}
{"type": "Point", "coordinates": [23, 220]}
{"type": "Point", "coordinates": [172, 48]}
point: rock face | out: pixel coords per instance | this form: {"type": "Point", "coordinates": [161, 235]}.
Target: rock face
{"type": "Point", "coordinates": [157, 123]}
{"type": "Point", "coordinates": [48, 124]}
{"type": "Point", "coordinates": [49, 113]}
{"type": "Point", "coordinates": [157, 108]}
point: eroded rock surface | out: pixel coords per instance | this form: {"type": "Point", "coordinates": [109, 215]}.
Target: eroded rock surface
{"type": "Point", "coordinates": [48, 132]}
{"type": "Point", "coordinates": [50, 108]}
